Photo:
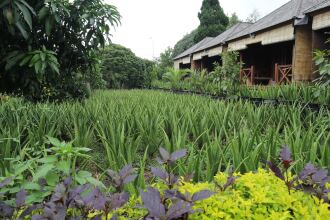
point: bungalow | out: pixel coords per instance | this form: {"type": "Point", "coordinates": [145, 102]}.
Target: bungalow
{"type": "Point", "coordinates": [278, 48]}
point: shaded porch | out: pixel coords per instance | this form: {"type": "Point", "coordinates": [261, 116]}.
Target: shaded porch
{"type": "Point", "coordinates": [184, 66]}
{"type": "Point", "coordinates": [208, 63]}
{"type": "Point", "coordinates": [267, 64]}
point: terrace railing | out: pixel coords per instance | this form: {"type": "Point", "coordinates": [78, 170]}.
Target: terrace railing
{"type": "Point", "coordinates": [283, 74]}
{"type": "Point", "coordinates": [247, 75]}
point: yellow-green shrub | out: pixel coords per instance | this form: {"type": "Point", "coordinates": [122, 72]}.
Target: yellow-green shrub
{"type": "Point", "coordinates": [259, 195]}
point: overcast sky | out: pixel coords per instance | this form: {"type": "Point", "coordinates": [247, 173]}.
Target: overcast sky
{"type": "Point", "coordinates": [150, 26]}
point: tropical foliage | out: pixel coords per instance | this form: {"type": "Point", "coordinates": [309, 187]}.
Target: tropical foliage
{"type": "Point", "coordinates": [322, 61]}
{"type": "Point", "coordinates": [51, 44]}
{"type": "Point", "coordinates": [174, 76]}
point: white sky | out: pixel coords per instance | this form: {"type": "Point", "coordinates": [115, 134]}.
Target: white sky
{"type": "Point", "coordinates": [148, 27]}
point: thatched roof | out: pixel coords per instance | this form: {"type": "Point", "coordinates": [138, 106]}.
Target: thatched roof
{"type": "Point", "coordinates": [286, 13]}
{"type": "Point", "coordinates": [221, 39]}
{"type": "Point", "coordinates": [319, 6]}
{"type": "Point", "coordinates": [194, 48]}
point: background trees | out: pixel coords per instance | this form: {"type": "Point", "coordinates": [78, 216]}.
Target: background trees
{"type": "Point", "coordinates": [254, 16]}
{"type": "Point", "coordinates": [233, 19]}
{"type": "Point", "coordinates": [213, 20]}
{"type": "Point", "coordinates": [121, 68]}
{"type": "Point", "coordinates": [48, 48]}
{"type": "Point", "coordinates": [183, 44]}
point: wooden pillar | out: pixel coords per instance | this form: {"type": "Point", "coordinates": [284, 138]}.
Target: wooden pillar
{"type": "Point", "coordinates": [202, 63]}
{"type": "Point", "coordinates": [252, 75]}
{"type": "Point", "coordinates": [193, 64]}
{"type": "Point", "coordinates": [303, 54]}
{"type": "Point", "coordinates": [277, 79]}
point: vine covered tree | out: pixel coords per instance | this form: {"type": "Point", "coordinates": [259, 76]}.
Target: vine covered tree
{"type": "Point", "coordinates": [49, 46]}
{"type": "Point", "coordinates": [213, 20]}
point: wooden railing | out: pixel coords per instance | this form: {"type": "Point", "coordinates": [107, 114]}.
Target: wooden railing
{"type": "Point", "coordinates": [247, 74]}
{"type": "Point", "coordinates": [283, 74]}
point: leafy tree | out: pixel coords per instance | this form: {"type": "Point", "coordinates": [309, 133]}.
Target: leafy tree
{"type": "Point", "coordinates": [149, 67]}
{"type": "Point", "coordinates": [52, 44]}
{"type": "Point", "coordinates": [164, 62]}
{"type": "Point", "coordinates": [233, 19]}
{"type": "Point", "coordinates": [254, 16]}
{"type": "Point", "coordinates": [166, 58]}
{"type": "Point", "coordinates": [227, 74]}
{"type": "Point", "coordinates": [121, 68]}
{"type": "Point", "coordinates": [186, 42]}
{"type": "Point", "coordinates": [213, 20]}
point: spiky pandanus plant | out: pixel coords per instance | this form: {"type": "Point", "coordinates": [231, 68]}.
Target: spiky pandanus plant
{"type": "Point", "coordinates": [174, 76]}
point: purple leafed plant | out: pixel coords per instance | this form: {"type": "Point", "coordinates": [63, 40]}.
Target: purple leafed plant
{"type": "Point", "coordinates": [82, 198]}
{"type": "Point", "coordinates": [314, 181]}
{"type": "Point", "coordinates": [171, 204]}
{"type": "Point", "coordinates": [311, 180]}
{"type": "Point", "coordinates": [125, 176]}
{"type": "Point", "coordinates": [285, 162]}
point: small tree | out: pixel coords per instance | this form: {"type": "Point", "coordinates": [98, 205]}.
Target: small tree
{"type": "Point", "coordinates": [233, 19]}
{"type": "Point", "coordinates": [254, 16]}
{"type": "Point", "coordinates": [227, 74]}
{"type": "Point", "coordinates": [164, 62]}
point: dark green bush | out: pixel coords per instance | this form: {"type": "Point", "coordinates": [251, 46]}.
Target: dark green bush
{"type": "Point", "coordinates": [121, 68]}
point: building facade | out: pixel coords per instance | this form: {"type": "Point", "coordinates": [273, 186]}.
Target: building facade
{"type": "Point", "coordinates": [278, 48]}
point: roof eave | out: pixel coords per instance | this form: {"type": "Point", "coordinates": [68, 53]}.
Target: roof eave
{"type": "Point", "coordinates": [263, 30]}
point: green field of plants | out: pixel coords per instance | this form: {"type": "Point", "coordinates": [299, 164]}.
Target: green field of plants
{"type": "Point", "coordinates": [122, 126]}
{"type": "Point", "coordinates": [115, 128]}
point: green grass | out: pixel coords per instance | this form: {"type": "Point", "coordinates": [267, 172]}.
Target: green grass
{"type": "Point", "coordinates": [129, 126]}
